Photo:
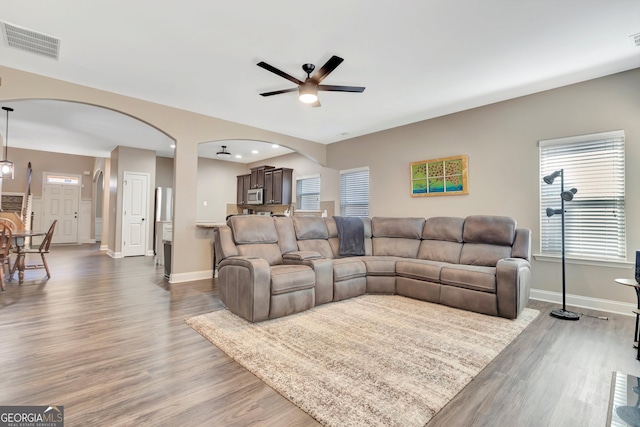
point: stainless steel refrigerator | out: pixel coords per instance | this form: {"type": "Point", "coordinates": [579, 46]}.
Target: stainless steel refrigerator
{"type": "Point", "coordinates": [162, 231]}
{"type": "Point", "coordinates": [164, 204]}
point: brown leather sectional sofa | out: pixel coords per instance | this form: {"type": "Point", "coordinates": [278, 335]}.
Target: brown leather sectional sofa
{"type": "Point", "coordinates": [273, 267]}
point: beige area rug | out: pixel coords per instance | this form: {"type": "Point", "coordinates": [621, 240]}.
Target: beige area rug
{"type": "Point", "coordinates": [372, 360]}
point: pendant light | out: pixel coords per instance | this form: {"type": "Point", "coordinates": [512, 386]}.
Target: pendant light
{"type": "Point", "coordinates": [6, 167]}
{"type": "Point", "coordinates": [224, 154]}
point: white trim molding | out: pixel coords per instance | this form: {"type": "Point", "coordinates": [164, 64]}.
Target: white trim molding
{"type": "Point", "coordinates": [599, 304]}
{"type": "Point", "coordinates": [190, 276]}
{"type": "Point", "coordinates": [113, 254]}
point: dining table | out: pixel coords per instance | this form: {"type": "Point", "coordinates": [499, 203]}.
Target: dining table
{"type": "Point", "coordinates": [20, 240]}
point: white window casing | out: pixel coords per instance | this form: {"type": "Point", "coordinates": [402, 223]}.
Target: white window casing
{"type": "Point", "coordinates": [595, 226]}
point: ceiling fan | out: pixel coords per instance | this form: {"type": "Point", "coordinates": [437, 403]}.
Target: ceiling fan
{"type": "Point", "coordinates": [309, 88]}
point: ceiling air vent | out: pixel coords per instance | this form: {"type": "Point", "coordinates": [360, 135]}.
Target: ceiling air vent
{"type": "Point", "coordinates": [636, 39]}
{"type": "Point", "coordinates": [30, 41]}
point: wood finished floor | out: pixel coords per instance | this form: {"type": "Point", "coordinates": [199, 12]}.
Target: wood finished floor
{"type": "Point", "coordinates": [106, 338]}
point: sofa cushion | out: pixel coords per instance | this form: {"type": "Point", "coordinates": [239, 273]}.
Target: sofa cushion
{"type": "Point", "coordinates": [443, 228]}
{"type": "Point", "coordinates": [380, 265]}
{"type": "Point", "coordinates": [286, 234]}
{"type": "Point", "coordinates": [267, 251]}
{"type": "Point", "coordinates": [399, 247]}
{"type": "Point", "coordinates": [348, 268]}
{"type": "Point", "coordinates": [410, 228]}
{"type": "Point", "coordinates": [437, 250]}
{"type": "Point", "coordinates": [310, 227]}
{"type": "Point", "coordinates": [522, 244]}
{"type": "Point", "coordinates": [483, 254]}
{"type": "Point", "coordinates": [320, 246]}
{"type": "Point", "coordinates": [290, 278]}
{"type": "Point", "coordinates": [420, 269]}
{"type": "Point", "coordinates": [496, 230]}
{"type": "Point", "coordinates": [469, 277]}
{"type": "Point", "coordinates": [253, 229]}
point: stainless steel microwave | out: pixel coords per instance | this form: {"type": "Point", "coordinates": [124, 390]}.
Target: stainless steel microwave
{"type": "Point", "coordinates": [254, 196]}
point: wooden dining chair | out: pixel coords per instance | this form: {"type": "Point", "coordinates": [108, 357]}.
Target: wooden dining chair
{"type": "Point", "coordinates": [43, 249]}
{"type": "Point", "coordinates": [6, 237]}
{"type": "Point", "coordinates": [13, 226]}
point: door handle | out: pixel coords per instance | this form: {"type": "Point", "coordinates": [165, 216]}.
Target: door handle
{"type": "Point", "coordinates": [143, 219]}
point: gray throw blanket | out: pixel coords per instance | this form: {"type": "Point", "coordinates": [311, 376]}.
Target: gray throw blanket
{"type": "Point", "coordinates": [350, 235]}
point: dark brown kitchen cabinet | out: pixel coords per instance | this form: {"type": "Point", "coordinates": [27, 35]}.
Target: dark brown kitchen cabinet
{"type": "Point", "coordinates": [278, 186]}
{"type": "Point", "coordinates": [257, 176]}
{"type": "Point", "coordinates": [244, 183]}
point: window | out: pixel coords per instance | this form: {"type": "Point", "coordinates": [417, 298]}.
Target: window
{"type": "Point", "coordinates": [595, 218]}
{"type": "Point", "coordinates": [62, 179]}
{"type": "Point", "coordinates": [354, 192]}
{"type": "Point", "coordinates": [308, 193]}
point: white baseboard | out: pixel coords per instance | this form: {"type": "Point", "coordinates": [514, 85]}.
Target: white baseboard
{"type": "Point", "coordinates": [190, 276]}
{"type": "Point", "coordinates": [150, 253]}
{"type": "Point", "coordinates": [599, 304]}
{"type": "Point", "coordinates": [113, 254]}
{"type": "Point", "coordinates": [104, 247]}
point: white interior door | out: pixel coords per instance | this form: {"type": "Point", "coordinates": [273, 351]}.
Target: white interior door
{"type": "Point", "coordinates": [61, 202]}
{"type": "Point", "coordinates": [134, 213]}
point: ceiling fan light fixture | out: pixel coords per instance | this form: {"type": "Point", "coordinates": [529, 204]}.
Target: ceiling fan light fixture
{"type": "Point", "coordinates": [224, 153]}
{"type": "Point", "coordinates": [308, 93]}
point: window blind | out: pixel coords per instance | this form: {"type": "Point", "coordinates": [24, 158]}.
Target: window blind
{"type": "Point", "coordinates": [354, 193]}
{"type": "Point", "coordinates": [595, 218]}
{"type": "Point", "coordinates": [308, 194]}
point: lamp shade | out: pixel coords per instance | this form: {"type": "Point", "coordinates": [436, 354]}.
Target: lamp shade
{"type": "Point", "coordinates": [567, 195]}
{"type": "Point", "coordinates": [224, 153]}
{"type": "Point", "coordinates": [308, 92]}
{"type": "Point", "coordinates": [6, 169]}
{"type": "Point", "coordinates": [552, 212]}
{"type": "Point", "coordinates": [550, 178]}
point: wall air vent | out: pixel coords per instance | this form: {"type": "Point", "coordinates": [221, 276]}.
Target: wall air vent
{"type": "Point", "coordinates": [30, 41]}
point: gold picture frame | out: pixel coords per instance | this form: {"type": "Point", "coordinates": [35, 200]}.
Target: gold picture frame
{"type": "Point", "coordinates": [446, 176]}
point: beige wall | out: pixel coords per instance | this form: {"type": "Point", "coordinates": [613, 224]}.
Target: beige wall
{"type": "Point", "coordinates": [502, 143]}
{"type": "Point", "coordinates": [47, 162]}
{"type": "Point", "coordinates": [217, 186]}
{"type": "Point", "coordinates": [113, 204]}
{"type": "Point", "coordinates": [500, 139]}
{"type": "Point", "coordinates": [133, 160]}
{"type": "Point", "coordinates": [164, 172]}
{"type": "Point", "coordinates": [188, 129]}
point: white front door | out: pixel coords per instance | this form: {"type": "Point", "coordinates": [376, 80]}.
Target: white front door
{"type": "Point", "coordinates": [134, 213]}
{"type": "Point", "coordinates": [61, 202]}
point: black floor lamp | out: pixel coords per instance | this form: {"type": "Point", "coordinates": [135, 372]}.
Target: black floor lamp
{"type": "Point", "coordinates": [565, 196]}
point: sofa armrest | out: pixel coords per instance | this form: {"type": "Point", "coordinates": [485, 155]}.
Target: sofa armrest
{"type": "Point", "coordinates": [223, 242]}
{"type": "Point", "coordinates": [323, 269]}
{"type": "Point", "coordinates": [513, 277]}
{"type": "Point", "coordinates": [244, 284]}
{"type": "Point", "coordinates": [301, 255]}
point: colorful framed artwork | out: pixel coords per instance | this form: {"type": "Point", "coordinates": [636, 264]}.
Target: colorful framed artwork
{"type": "Point", "coordinates": [446, 176]}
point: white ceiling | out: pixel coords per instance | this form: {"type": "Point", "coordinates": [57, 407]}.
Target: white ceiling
{"type": "Point", "coordinates": [417, 58]}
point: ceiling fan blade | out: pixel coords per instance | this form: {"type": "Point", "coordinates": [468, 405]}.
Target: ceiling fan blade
{"type": "Point", "coordinates": [316, 104]}
{"type": "Point", "coordinates": [333, 88]}
{"type": "Point", "coordinates": [331, 65]}
{"type": "Point", "coordinates": [274, 70]}
{"type": "Point", "coordinates": [278, 92]}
